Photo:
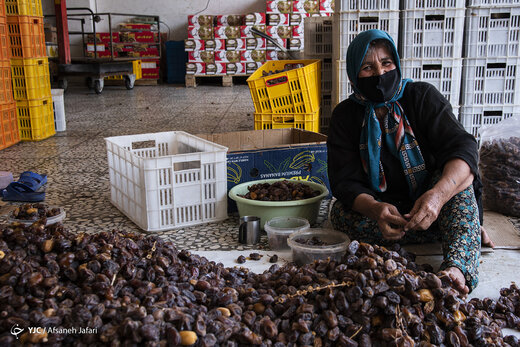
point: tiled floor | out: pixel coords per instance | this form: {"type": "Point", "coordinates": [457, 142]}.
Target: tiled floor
{"type": "Point", "coordinates": [76, 162]}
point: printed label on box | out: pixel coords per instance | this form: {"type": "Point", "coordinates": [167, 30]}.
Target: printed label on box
{"type": "Point", "coordinates": [227, 56]}
{"type": "Point", "coordinates": [295, 44]}
{"type": "Point", "coordinates": [278, 6]}
{"type": "Point", "coordinates": [201, 57]}
{"type": "Point", "coordinates": [149, 64]}
{"type": "Point", "coordinates": [327, 6]}
{"type": "Point", "coordinates": [306, 6]}
{"type": "Point", "coordinates": [236, 68]}
{"type": "Point", "coordinates": [201, 33]}
{"type": "Point", "coordinates": [216, 69]}
{"type": "Point", "coordinates": [253, 66]}
{"type": "Point", "coordinates": [281, 42]}
{"type": "Point", "coordinates": [256, 43]}
{"type": "Point", "coordinates": [216, 45]}
{"type": "Point", "coordinates": [245, 30]}
{"type": "Point", "coordinates": [202, 20]}
{"type": "Point", "coordinates": [276, 55]}
{"type": "Point", "coordinates": [195, 68]}
{"type": "Point", "coordinates": [252, 56]}
{"type": "Point", "coordinates": [279, 32]}
{"type": "Point", "coordinates": [254, 18]}
{"type": "Point", "coordinates": [191, 45]}
{"type": "Point", "coordinates": [230, 19]}
{"type": "Point", "coordinates": [297, 31]}
{"type": "Point", "coordinates": [236, 44]}
{"type": "Point", "coordinates": [99, 47]}
{"type": "Point", "coordinates": [279, 19]}
{"type": "Point", "coordinates": [298, 18]}
{"type": "Point", "coordinates": [227, 32]}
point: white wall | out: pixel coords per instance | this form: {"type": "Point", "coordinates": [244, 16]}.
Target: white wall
{"type": "Point", "coordinates": [172, 12]}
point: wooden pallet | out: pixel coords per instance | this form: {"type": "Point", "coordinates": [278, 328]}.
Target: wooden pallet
{"type": "Point", "coordinates": [226, 80]}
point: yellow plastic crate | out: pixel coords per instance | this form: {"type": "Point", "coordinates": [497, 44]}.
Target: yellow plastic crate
{"type": "Point", "coordinates": [292, 91]}
{"type": "Point", "coordinates": [24, 8]}
{"type": "Point", "coordinates": [136, 65]}
{"type": "Point", "coordinates": [35, 119]}
{"type": "Point", "coordinates": [31, 79]}
{"type": "Point", "coordinates": [304, 121]}
{"type": "Point", "coordinates": [9, 134]}
{"type": "Point", "coordinates": [26, 37]}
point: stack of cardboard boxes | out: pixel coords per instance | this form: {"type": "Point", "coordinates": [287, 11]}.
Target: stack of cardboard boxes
{"type": "Point", "coordinates": [225, 45]}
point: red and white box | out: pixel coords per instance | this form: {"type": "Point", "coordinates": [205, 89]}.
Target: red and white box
{"type": "Point", "coordinates": [195, 68]}
{"type": "Point", "coordinates": [201, 57]}
{"type": "Point", "coordinates": [150, 69]}
{"type": "Point", "coordinates": [230, 19]}
{"type": "Point", "coordinates": [256, 43]}
{"type": "Point", "coordinates": [298, 18]}
{"type": "Point", "coordinates": [253, 66]}
{"type": "Point", "coordinates": [254, 18]}
{"type": "Point", "coordinates": [201, 20]}
{"type": "Point", "coordinates": [236, 44]}
{"type": "Point", "coordinates": [216, 45]}
{"type": "Point", "coordinates": [216, 69]}
{"type": "Point", "coordinates": [245, 30]}
{"type": "Point", "coordinates": [272, 46]}
{"type": "Point", "coordinates": [279, 19]}
{"type": "Point", "coordinates": [296, 44]}
{"type": "Point", "coordinates": [306, 6]}
{"type": "Point", "coordinates": [236, 68]}
{"type": "Point", "coordinates": [326, 6]}
{"type": "Point", "coordinates": [191, 45]}
{"type": "Point", "coordinates": [278, 6]}
{"type": "Point", "coordinates": [200, 33]}
{"type": "Point", "coordinates": [297, 32]}
{"type": "Point", "coordinates": [252, 56]}
{"type": "Point", "coordinates": [227, 56]}
{"type": "Point", "coordinates": [279, 31]}
{"type": "Point", "coordinates": [100, 47]}
{"type": "Point", "coordinates": [276, 55]}
{"type": "Point", "coordinates": [227, 32]}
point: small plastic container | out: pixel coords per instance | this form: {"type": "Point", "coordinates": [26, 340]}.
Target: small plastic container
{"type": "Point", "coordinates": [279, 229]}
{"type": "Point", "coordinates": [335, 248]}
{"type": "Point", "coordinates": [6, 177]}
{"type": "Point", "coordinates": [50, 220]}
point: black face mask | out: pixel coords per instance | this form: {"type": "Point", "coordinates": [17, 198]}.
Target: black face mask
{"type": "Point", "coordinates": [379, 88]}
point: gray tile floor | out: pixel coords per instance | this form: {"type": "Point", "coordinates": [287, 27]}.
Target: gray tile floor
{"type": "Point", "coordinates": [76, 162]}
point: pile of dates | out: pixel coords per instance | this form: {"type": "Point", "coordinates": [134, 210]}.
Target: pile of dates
{"type": "Point", "coordinates": [135, 290]}
{"type": "Point", "coordinates": [35, 211]}
{"type": "Point", "coordinates": [287, 67]}
{"type": "Point", "coordinates": [280, 191]}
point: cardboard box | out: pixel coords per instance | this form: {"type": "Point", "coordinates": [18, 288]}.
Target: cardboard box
{"type": "Point", "coordinates": [253, 66]}
{"type": "Point", "coordinates": [100, 47]}
{"type": "Point", "coordinates": [227, 32]}
{"type": "Point", "coordinates": [50, 31]}
{"type": "Point", "coordinates": [326, 6]}
{"type": "Point", "coordinates": [297, 31]}
{"type": "Point", "coordinates": [216, 69]}
{"type": "Point", "coordinates": [230, 19]}
{"type": "Point", "coordinates": [191, 45]}
{"type": "Point", "coordinates": [252, 56]}
{"type": "Point", "coordinates": [279, 31]}
{"type": "Point", "coordinates": [277, 55]}
{"type": "Point", "coordinates": [272, 46]}
{"type": "Point", "coordinates": [215, 45]}
{"type": "Point", "coordinates": [201, 33]}
{"type": "Point", "coordinates": [52, 50]}
{"type": "Point", "coordinates": [254, 18]}
{"type": "Point", "coordinates": [227, 56]}
{"type": "Point", "coordinates": [296, 44]}
{"type": "Point", "coordinates": [236, 44]}
{"type": "Point", "coordinates": [104, 37]}
{"type": "Point", "coordinates": [202, 20]}
{"type": "Point", "coordinates": [195, 68]}
{"type": "Point", "coordinates": [236, 68]}
{"type": "Point", "coordinates": [278, 6]}
{"type": "Point", "coordinates": [201, 57]}
{"type": "Point", "coordinates": [298, 18]}
{"type": "Point", "coordinates": [245, 30]}
{"type": "Point", "coordinates": [275, 153]}
{"type": "Point", "coordinates": [256, 43]}
{"type": "Point", "coordinates": [306, 6]}
{"type": "Point", "coordinates": [143, 36]}
{"type": "Point", "coordinates": [279, 19]}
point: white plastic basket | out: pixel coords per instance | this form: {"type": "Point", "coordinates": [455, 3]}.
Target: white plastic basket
{"type": "Point", "coordinates": [432, 33]}
{"type": "Point", "coordinates": [341, 87]}
{"type": "Point", "coordinates": [366, 5]}
{"type": "Point", "coordinates": [318, 37]}
{"type": "Point", "coordinates": [444, 74]}
{"type": "Point", "coordinates": [491, 81]}
{"type": "Point", "coordinates": [492, 32]}
{"type": "Point", "coordinates": [167, 180]}
{"type": "Point", "coordinates": [474, 117]}
{"type": "Point", "coordinates": [58, 104]}
{"type": "Point", "coordinates": [492, 3]}
{"type": "Point", "coordinates": [431, 4]}
{"type": "Point", "coordinates": [325, 113]}
{"type": "Point", "coordinates": [347, 25]}
{"type": "Point", "coordinates": [326, 76]}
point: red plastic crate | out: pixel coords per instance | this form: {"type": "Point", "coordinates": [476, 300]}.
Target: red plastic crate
{"type": "Point", "coordinates": [9, 134]}
{"type": "Point", "coordinates": [26, 37]}
{"type": "Point", "coordinates": [6, 88]}
{"type": "Point", "coordinates": [5, 52]}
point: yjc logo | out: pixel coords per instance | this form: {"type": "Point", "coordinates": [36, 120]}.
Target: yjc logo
{"type": "Point", "coordinates": [15, 330]}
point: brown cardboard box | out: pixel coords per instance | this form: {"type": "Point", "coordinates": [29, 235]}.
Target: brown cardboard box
{"type": "Point", "coordinates": [51, 34]}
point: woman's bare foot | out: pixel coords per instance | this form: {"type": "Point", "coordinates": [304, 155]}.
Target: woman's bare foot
{"type": "Point", "coordinates": [485, 240]}
{"type": "Point", "coordinates": [457, 279]}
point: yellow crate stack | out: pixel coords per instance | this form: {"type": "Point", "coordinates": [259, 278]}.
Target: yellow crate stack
{"type": "Point", "coordinates": [30, 69]}
{"type": "Point", "coordinates": [9, 134]}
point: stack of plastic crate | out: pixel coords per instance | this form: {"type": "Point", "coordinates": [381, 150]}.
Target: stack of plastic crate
{"type": "Point", "coordinates": [30, 69]}
{"type": "Point", "coordinates": [8, 124]}
{"type": "Point", "coordinates": [318, 45]}
{"type": "Point", "coordinates": [350, 18]}
{"type": "Point", "coordinates": [491, 89]}
{"type": "Point", "coordinates": [431, 45]}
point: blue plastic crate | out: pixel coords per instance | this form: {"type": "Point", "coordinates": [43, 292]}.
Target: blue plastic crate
{"type": "Point", "coordinates": [176, 59]}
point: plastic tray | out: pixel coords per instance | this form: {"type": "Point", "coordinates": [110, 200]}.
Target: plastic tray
{"type": "Point", "coordinates": [51, 220]}
{"type": "Point", "coordinates": [5, 51]}
{"type": "Point", "coordinates": [492, 3]}
{"type": "Point", "coordinates": [6, 89]}
{"type": "Point", "coordinates": [304, 254]}
{"type": "Point", "coordinates": [326, 113]}
{"type": "Point", "coordinates": [431, 4]}
{"type": "Point", "coordinates": [31, 78]}
{"type": "Point", "coordinates": [366, 5]}
{"type": "Point", "coordinates": [9, 134]}
{"type": "Point", "coordinates": [24, 8]}
{"type": "Point", "coordinates": [341, 88]}
{"type": "Point", "coordinates": [35, 119]}
{"type": "Point", "coordinates": [474, 117]}
{"type": "Point", "coordinates": [318, 37]}
{"type": "Point", "coordinates": [304, 121]}
{"type": "Point", "coordinates": [26, 36]}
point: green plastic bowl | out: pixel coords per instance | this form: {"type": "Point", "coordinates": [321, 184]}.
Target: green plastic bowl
{"type": "Point", "coordinates": [267, 210]}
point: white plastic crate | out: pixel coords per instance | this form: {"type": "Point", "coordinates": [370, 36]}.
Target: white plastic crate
{"type": "Point", "coordinates": [444, 74]}
{"type": "Point", "coordinates": [167, 180]}
{"type": "Point", "coordinates": [432, 33]}
{"type": "Point", "coordinates": [431, 4]}
{"type": "Point", "coordinates": [347, 25]}
{"type": "Point", "coordinates": [492, 32]}
{"type": "Point", "coordinates": [492, 81]}
{"type": "Point", "coordinates": [474, 117]}
{"type": "Point", "coordinates": [341, 88]}
{"type": "Point", "coordinates": [492, 3]}
{"type": "Point", "coordinates": [58, 104]}
{"type": "Point", "coordinates": [326, 76]}
{"type": "Point", "coordinates": [366, 5]}
{"type": "Point", "coordinates": [318, 37]}
{"type": "Point", "coordinates": [325, 113]}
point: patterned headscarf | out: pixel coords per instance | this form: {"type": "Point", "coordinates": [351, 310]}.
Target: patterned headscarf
{"type": "Point", "coordinates": [399, 137]}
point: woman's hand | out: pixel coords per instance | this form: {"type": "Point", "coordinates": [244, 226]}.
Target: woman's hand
{"type": "Point", "coordinates": [425, 211]}
{"type": "Point", "coordinates": [391, 223]}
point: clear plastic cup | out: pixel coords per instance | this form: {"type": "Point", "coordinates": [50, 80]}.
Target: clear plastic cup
{"type": "Point", "coordinates": [278, 230]}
